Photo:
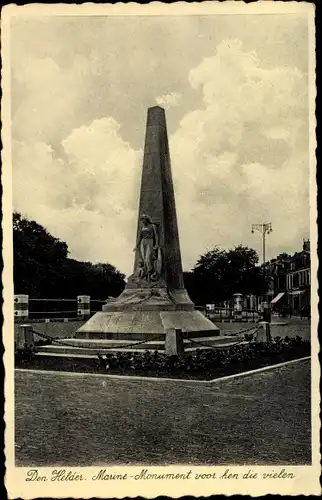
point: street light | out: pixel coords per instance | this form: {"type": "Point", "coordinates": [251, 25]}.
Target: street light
{"type": "Point", "coordinates": [265, 228]}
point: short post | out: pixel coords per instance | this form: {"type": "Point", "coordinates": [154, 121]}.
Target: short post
{"type": "Point", "coordinates": [83, 306]}
{"type": "Point", "coordinates": [174, 342]}
{"type": "Point", "coordinates": [21, 306]}
{"type": "Point", "coordinates": [264, 332]}
{"type": "Point", "coordinates": [25, 337]}
{"type": "Point", "coordinates": [238, 307]}
{"type": "Point", "coordinates": [267, 312]}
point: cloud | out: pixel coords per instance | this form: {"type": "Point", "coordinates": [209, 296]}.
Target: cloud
{"type": "Point", "coordinates": [89, 199]}
{"type": "Point", "coordinates": [240, 159]}
{"type": "Point", "coordinates": [69, 71]}
{"type": "Point", "coordinates": [49, 94]}
{"type": "Point", "coordinates": [169, 100]}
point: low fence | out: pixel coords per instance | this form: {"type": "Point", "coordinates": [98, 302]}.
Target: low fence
{"type": "Point", "coordinates": [50, 309]}
{"type": "Point", "coordinates": [26, 339]}
{"type": "Point", "coordinates": [229, 314]}
{"type": "Point", "coordinates": [83, 307]}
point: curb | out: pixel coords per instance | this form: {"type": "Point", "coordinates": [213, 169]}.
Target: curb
{"type": "Point", "coordinates": [117, 377]}
{"type": "Point", "coordinates": [164, 379]}
{"type": "Point", "coordinates": [258, 370]}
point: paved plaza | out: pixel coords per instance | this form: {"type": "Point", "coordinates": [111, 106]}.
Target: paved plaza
{"type": "Point", "coordinates": [69, 420]}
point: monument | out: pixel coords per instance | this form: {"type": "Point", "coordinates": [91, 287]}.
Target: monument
{"type": "Point", "coordinates": [154, 300]}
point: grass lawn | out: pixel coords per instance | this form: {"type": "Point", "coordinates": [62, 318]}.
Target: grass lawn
{"type": "Point", "coordinates": [72, 420]}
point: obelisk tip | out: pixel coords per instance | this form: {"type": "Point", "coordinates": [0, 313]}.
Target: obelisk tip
{"type": "Point", "coordinates": [156, 116]}
{"type": "Point", "coordinates": [156, 107]}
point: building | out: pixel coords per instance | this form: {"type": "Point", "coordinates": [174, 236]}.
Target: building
{"type": "Point", "coordinates": [289, 284]}
{"type": "Point", "coordinates": [298, 281]}
{"type": "Point", "coordinates": [292, 281]}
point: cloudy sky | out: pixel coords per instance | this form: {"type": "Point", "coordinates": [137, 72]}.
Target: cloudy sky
{"type": "Point", "coordinates": [235, 92]}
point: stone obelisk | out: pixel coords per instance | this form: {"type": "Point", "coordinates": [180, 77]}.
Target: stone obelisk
{"type": "Point", "coordinates": [157, 197]}
{"type": "Point", "coordinates": [154, 299]}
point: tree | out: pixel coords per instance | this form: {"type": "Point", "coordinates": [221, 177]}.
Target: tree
{"type": "Point", "coordinates": [219, 274]}
{"type": "Point", "coordinates": [42, 268]}
{"type": "Point", "coordinates": [37, 256]}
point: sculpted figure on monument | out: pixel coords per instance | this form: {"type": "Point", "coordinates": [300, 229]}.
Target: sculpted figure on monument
{"type": "Point", "coordinates": [149, 266]}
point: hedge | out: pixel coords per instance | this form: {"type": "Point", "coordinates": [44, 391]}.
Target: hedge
{"type": "Point", "coordinates": [204, 364]}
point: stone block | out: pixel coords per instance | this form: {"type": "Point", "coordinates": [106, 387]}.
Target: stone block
{"type": "Point", "coordinates": [174, 342]}
{"type": "Point", "coordinates": [24, 337]}
{"type": "Point", "coordinates": [264, 333]}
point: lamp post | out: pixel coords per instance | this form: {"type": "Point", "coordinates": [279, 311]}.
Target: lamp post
{"type": "Point", "coordinates": [265, 228]}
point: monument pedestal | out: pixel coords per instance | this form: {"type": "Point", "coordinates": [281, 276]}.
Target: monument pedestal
{"type": "Point", "coordinates": [141, 313]}
{"type": "Point", "coordinates": [145, 324]}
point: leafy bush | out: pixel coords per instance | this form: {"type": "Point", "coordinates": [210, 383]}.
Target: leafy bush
{"type": "Point", "coordinates": [27, 353]}
{"type": "Point", "coordinates": [206, 363]}
{"type": "Point", "coordinates": [24, 355]}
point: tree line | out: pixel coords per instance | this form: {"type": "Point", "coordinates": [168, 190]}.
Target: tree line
{"type": "Point", "coordinates": [43, 269]}
{"type": "Point", "coordinates": [219, 274]}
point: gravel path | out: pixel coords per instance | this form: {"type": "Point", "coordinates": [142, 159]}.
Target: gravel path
{"type": "Point", "coordinates": [70, 420]}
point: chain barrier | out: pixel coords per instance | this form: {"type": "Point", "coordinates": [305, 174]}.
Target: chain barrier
{"type": "Point", "coordinates": [48, 337]}
{"type": "Point", "coordinates": [136, 343]}
{"type": "Point", "coordinates": [212, 346]}
{"type": "Point", "coordinates": [220, 346]}
{"type": "Point", "coordinates": [245, 330]}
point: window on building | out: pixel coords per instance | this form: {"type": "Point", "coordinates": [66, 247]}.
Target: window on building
{"type": "Point", "coordinates": [282, 282]}
{"type": "Point", "coordinates": [290, 284]}
{"type": "Point", "coordinates": [296, 280]}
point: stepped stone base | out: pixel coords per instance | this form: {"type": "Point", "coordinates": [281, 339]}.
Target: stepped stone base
{"type": "Point", "coordinates": [112, 332]}
{"type": "Point", "coordinates": [85, 347]}
{"type": "Point", "coordinates": [79, 360]}
{"type": "Point", "coordinates": [141, 324]}
{"type": "Point", "coordinates": [81, 355]}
